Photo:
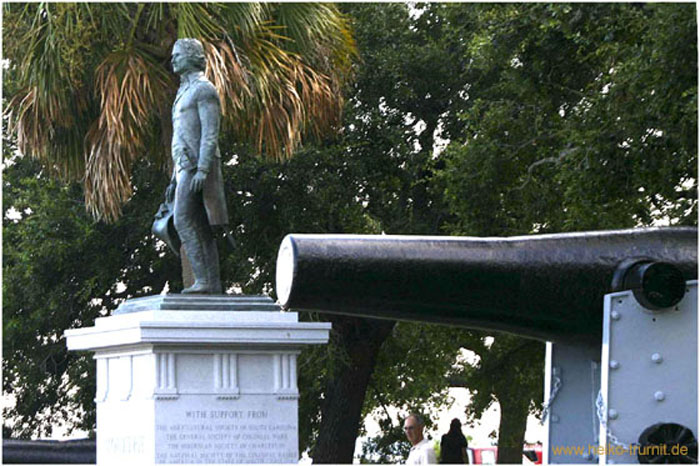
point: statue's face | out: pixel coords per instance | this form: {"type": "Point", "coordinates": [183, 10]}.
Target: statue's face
{"type": "Point", "coordinates": [180, 60]}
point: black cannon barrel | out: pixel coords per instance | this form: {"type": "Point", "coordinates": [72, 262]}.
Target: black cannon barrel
{"type": "Point", "coordinates": [80, 451]}
{"type": "Point", "coordinates": [548, 287]}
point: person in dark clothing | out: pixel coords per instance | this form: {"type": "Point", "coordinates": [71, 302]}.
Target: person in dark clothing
{"type": "Point", "coordinates": [453, 446]}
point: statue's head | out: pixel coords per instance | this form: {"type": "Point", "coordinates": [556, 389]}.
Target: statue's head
{"type": "Point", "coordinates": [188, 55]}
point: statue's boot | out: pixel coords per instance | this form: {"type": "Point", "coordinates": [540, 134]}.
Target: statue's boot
{"type": "Point", "coordinates": [211, 258]}
{"type": "Point", "coordinates": [198, 288]}
{"type": "Point", "coordinates": [196, 254]}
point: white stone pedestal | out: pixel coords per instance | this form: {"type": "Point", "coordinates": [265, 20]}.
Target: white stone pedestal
{"type": "Point", "coordinates": [178, 385]}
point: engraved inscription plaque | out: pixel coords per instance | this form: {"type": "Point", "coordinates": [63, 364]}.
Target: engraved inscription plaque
{"type": "Point", "coordinates": [252, 429]}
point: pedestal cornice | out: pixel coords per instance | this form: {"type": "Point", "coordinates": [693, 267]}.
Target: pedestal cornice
{"type": "Point", "coordinates": [174, 319]}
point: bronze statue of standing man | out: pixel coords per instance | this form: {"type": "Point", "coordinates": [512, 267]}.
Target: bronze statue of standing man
{"type": "Point", "coordinates": [196, 187]}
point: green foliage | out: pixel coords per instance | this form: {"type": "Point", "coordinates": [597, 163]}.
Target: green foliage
{"type": "Point", "coordinates": [313, 192]}
{"type": "Point", "coordinates": [509, 369]}
{"type": "Point", "coordinates": [578, 117]}
{"type": "Point", "coordinates": [61, 270]}
{"type": "Point", "coordinates": [416, 378]}
{"type": "Point", "coordinates": [389, 447]}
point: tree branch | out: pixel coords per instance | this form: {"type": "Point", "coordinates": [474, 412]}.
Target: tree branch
{"type": "Point", "coordinates": [382, 403]}
{"type": "Point", "coordinates": [555, 160]}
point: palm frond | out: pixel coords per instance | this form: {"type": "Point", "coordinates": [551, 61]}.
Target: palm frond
{"type": "Point", "coordinates": [227, 75]}
{"type": "Point", "coordinates": [131, 89]}
{"type": "Point", "coordinates": [108, 173]}
{"type": "Point", "coordinates": [306, 97]}
{"type": "Point", "coordinates": [241, 20]}
{"type": "Point", "coordinates": [58, 147]}
{"type": "Point", "coordinates": [197, 20]}
{"type": "Point", "coordinates": [319, 32]}
{"type": "Point", "coordinates": [48, 113]}
{"type": "Point", "coordinates": [285, 98]}
{"type": "Point", "coordinates": [282, 79]}
{"type": "Point", "coordinates": [155, 15]}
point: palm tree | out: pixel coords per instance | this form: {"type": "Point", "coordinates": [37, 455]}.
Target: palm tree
{"type": "Point", "coordinates": [93, 89]}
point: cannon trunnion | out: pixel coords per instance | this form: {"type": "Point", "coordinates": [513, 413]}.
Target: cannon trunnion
{"type": "Point", "coordinates": [548, 287]}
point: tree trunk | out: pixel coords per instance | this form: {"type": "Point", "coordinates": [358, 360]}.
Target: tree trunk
{"type": "Point", "coordinates": [511, 429]}
{"type": "Point", "coordinates": [358, 342]}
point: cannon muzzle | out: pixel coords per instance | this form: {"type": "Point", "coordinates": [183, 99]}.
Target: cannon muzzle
{"type": "Point", "coordinates": [548, 287]}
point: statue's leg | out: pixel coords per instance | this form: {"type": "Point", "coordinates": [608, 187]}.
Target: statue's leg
{"type": "Point", "coordinates": [189, 220]}
{"type": "Point", "coordinates": [211, 258]}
